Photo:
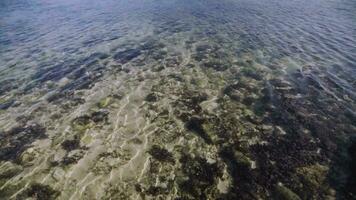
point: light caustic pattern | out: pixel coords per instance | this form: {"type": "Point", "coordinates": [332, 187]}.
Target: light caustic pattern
{"type": "Point", "coordinates": [177, 99]}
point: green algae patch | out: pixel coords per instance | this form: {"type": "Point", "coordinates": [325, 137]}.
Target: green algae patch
{"type": "Point", "coordinates": [86, 139]}
{"type": "Point", "coordinates": [105, 102]}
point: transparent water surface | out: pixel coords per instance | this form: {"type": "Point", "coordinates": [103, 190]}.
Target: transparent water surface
{"type": "Point", "coordinates": [231, 99]}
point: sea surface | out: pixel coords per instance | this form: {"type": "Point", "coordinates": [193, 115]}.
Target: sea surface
{"type": "Point", "coordinates": [177, 99]}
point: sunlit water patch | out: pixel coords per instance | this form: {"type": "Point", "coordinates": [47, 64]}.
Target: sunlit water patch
{"type": "Point", "coordinates": [165, 99]}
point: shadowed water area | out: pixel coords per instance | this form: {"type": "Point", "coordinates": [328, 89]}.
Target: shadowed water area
{"type": "Point", "coordinates": [178, 99]}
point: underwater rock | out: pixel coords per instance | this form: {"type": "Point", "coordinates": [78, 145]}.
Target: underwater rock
{"type": "Point", "coordinates": [176, 77]}
{"type": "Point", "coordinates": [252, 72]}
{"type": "Point", "coordinates": [58, 97]}
{"type": "Point", "coordinates": [216, 65]}
{"type": "Point", "coordinates": [18, 139]}
{"type": "Point", "coordinates": [78, 73]}
{"type": "Point", "coordinates": [28, 156]}
{"type": "Point", "coordinates": [93, 57]}
{"type": "Point", "coordinates": [152, 97]}
{"type": "Point", "coordinates": [190, 102]}
{"type": "Point", "coordinates": [127, 55]}
{"type": "Point", "coordinates": [154, 190]}
{"type": "Point", "coordinates": [313, 179]}
{"type": "Point", "coordinates": [195, 124]}
{"type": "Point", "coordinates": [41, 192]}
{"type": "Point", "coordinates": [81, 123]}
{"type": "Point", "coordinates": [233, 92]}
{"type": "Point", "coordinates": [9, 170]}
{"type": "Point", "coordinates": [159, 55]}
{"type": "Point", "coordinates": [161, 154]}
{"type": "Point", "coordinates": [313, 176]}
{"type": "Point", "coordinates": [283, 193]}
{"type": "Point", "coordinates": [75, 101]}
{"type": "Point", "coordinates": [151, 44]}
{"type": "Point", "coordinates": [82, 120]}
{"type": "Point", "coordinates": [351, 182]}
{"type": "Point", "coordinates": [240, 168]}
{"type": "Point", "coordinates": [81, 83]}
{"type": "Point", "coordinates": [100, 116]}
{"type": "Point", "coordinates": [198, 97]}
{"type": "Point", "coordinates": [72, 157]}
{"type": "Point", "coordinates": [70, 145]}
{"type": "Point", "coordinates": [199, 169]}
{"type": "Point", "coordinates": [174, 61]}
{"type": "Point", "coordinates": [7, 104]}
{"type": "Point", "coordinates": [201, 176]}
{"type": "Point", "coordinates": [7, 85]}
{"type": "Point", "coordinates": [6, 191]}
{"type": "Point", "coordinates": [202, 52]}
{"type": "Point", "coordinates": [248, 100]}
{"type": "Point", "coordinates": [55, 97]}
{"type": "Point", "coordinates": [135, 141]}
{"type": "Point", "coordinates": [158, 68]}
{"type": "Point", "coordinates": [242, 160]}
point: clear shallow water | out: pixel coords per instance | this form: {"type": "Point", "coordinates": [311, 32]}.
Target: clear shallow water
{"type": "Point", "coordinates": [235, 99]}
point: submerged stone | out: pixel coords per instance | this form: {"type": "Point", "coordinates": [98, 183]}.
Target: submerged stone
{"type": "Point", "coordinates": [7, 104]}
{"type": "Point", "coordinates": [216, 64]}
{"type": "Point", "coordinates": [198, 168]}
{"type": "Point", "coordinates": [242, 160]}
{"type": "Point", "coordinates": [9, 169]}
{"type": "Point", "coordinates": [190, 102]}
{"type": "Point", "coordinates": [94, 56]}
{"type": "Point", "coordinates": [55, 97]}
{"type": "Point", "coordinates": [82, 83]}
{"type": "Point", "coordinates": [283, 193]}
{"type": "Point", "coordinates": [161, 154]}
{"type": "Point", "coordinates": [82, 120]}
{"type": "Point", "coordinates": [313, 179]}
{"type": "Point", "coordinates": [127, 55]}
{"type": "Point", "coordinates": [201, 175]}
{"type": "Point", "coordinates": [72, 157]}
{"type": "Point", "coordinates": [6, 191]}
{"type": "Point", "coordinates": [152, 97]}
{"type": "Point", "coordinates": [195, 124]}
{"type": "Point", "coordinates": [351, 182]}
{"type": "Point", "coordinates": [233, 92]}
{"type": "Point", "coordinates": [154, 191]}
{"type": "Point", "coordinates": [41, 192]}
{"type": "Point", "coordinates": [15, 141]}
{"type": "Point", "coordinates": [81, 123]}
{"type": "Point", "coordinates": [7, 85]}
{"type": "Point", "coordinates": [100, 116]}
{"type": "Point", "coordinates": [70, 145]}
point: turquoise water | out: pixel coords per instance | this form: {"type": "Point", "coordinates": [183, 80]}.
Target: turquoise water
{"type": "Point", "coordinates": [154, 99]}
